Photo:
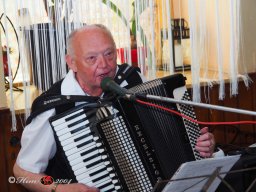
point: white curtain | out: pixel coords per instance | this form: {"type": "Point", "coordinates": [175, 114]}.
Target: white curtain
{"type": "Point", "coordinates": [208, 49]}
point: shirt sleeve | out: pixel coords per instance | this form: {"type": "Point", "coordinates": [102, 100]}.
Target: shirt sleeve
{"type": "Point", "coordinates": [218, 153]}
{"type": "Point", "coordinates": [37, 144]}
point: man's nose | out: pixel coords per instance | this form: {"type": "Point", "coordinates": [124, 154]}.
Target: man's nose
{"type": "Point", "coordinates": [102, 61]}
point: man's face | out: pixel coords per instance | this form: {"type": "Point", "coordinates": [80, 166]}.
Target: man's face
{"type": "Point", "coordinates": [94, 58]}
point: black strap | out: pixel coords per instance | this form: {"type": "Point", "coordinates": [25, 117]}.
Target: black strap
{"type": "Point", "coordinates": [53, 98]}
{"type": "Point", "coordinates": [124, 71]}
{"type": "Point", "coordinates": [59, 101]}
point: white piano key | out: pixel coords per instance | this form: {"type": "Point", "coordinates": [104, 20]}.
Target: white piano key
{"type": "Point", "coordinates": [70, 145]}
{"type": "Point", "coordinates": [82, 157]}
{"type": "Point", "coordinates": [76, 150]}
{"type": "Point", "coordinates": [69, 129]}
{"type": "Point", "coordinates": [91, 170]}
{"type": "Point", "coordinates": [81, 177]}
{"type": "Point", "coordinates": [79, 151]}
{"type": "Point", "coordinates": [69, 151]}
{"type": "Point", "coordinates": [66, 123]}
{"type": "Point", "coordinates": [78, 166]}
{"type": "Point", "coordinates": [92, 161]}
{"type": "Point", "coordinates": [96, 152]}
{"type": "Point", "coordinates": [62, 120]}
{"type": "Point", "coordinates": [87, 182]}
{"type": "Point", "coordinates": [75, 136]}
{"type": "Point", "coordinates": [108, 188]}
{"type": "Point", "coordinates": [80, 171]}
{"type": "Point", "coordinates": [112, 175]}
{"type": "Point", "coordinates": [115, 181]}
{"type": "Point", "coordinates": [102, 182]}
{"type": "Point", "coordinates": [97, 168]}
{"type": "Point", "coordinates": [74, 119]}
{"type": "Point", "coordinates": [117, 187]}
{"type": "Point", "coordinates": [84, 171]}
{"type": "Point", "coordinates": [65, 136]}
{"type": "Point", "coordinates": [76, 161]}
{"type": "Point", "coordinates": [68, 135]}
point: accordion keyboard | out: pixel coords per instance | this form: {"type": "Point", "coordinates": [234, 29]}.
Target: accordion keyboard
{"type": "Point", "coordinates": [84, 151]}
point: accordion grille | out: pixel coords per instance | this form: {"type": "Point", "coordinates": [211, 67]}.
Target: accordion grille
{"type": "Point", "coordinates": [126, 155]}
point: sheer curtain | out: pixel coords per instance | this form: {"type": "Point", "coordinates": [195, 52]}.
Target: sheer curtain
{"type": "Point", "coordinates": [211, 47]}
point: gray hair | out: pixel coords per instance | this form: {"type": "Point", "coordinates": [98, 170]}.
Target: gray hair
{"type": "Point", "coordinates": [70, 47]}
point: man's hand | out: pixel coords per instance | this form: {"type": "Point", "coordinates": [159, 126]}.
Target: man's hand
{"type": "Point", "coordinates": [75, 187]}
{"type": "Point", "coordinates": [205, 143]}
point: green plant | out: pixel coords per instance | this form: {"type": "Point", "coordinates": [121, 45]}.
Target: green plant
{"type": "Point", "coordinates": [133, 28]}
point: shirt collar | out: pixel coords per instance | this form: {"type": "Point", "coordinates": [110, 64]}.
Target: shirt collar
{"type": "Point", "coordinates": [70, 86]}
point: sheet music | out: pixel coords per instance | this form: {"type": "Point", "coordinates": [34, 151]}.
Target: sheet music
{"type": "Point", "coordinates": [204, 171]}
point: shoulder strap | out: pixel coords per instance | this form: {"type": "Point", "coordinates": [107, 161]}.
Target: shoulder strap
{"type": "Point", "coordinates": [125, 72]}
{"type": "Point", "coordinates": [53, 99]}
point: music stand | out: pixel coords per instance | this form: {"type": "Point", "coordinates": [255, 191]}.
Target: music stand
{"type": "Point", "coordinates": [202, 175]}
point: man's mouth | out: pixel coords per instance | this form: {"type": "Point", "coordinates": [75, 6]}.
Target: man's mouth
{"type": "Point", "coordinates": [104, 75]}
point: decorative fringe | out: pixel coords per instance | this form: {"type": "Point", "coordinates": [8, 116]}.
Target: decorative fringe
{"type": "Point", "coordinates": [42, 46]}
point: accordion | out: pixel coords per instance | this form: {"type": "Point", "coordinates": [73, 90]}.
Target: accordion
{"type": "Point", "coordinates": [128, 146]}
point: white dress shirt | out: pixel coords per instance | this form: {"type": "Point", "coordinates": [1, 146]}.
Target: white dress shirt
{"type": "Point", "coordinates": [37, 143]}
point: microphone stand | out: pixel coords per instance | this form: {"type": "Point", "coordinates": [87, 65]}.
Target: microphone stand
{"type": "Point", "coordinates": [184, 102]}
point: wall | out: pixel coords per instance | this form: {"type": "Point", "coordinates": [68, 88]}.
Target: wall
{"type": "Point", "coordinates": [9, 147]}
{"type": "Point", "coordinates": [231, 136]}
{"type": "Point", "coordinates": [248, 56]}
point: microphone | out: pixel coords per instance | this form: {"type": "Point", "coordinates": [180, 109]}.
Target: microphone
{"type": "Point", "coordinates": [107, 84]}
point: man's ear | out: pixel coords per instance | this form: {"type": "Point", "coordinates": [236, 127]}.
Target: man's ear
{"type": "Point", "coordinates": [71, 63]}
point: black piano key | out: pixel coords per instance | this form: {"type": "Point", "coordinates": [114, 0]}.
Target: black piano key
{"type": "Point", "coordinates": [84, 143]}
{"type": "Point", "coordinates": [81, 128]}
{"type": "Point", "coordinates": [89, 151]}
{"type": "Point", "coordinates": [110, 190]}
{"type": "Point", "coordinates": [90, 158]}
{"type": "Point", "coordinates": [78, 129]}
{"type": "Point", "coordinates": [93, 164]}
{"type": "Point", "coordinates": [96, 172]}
{"type": "Point", "coordinates": [82, 137]}
{"type": "Point", "coordinates": [101, 177]}
{"type": "Point", "coordinates": [105, 185]}
{"type": "Point", "coordinates": [77, 122]}
{"type": "Point", "coordinates": [74, 116]}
